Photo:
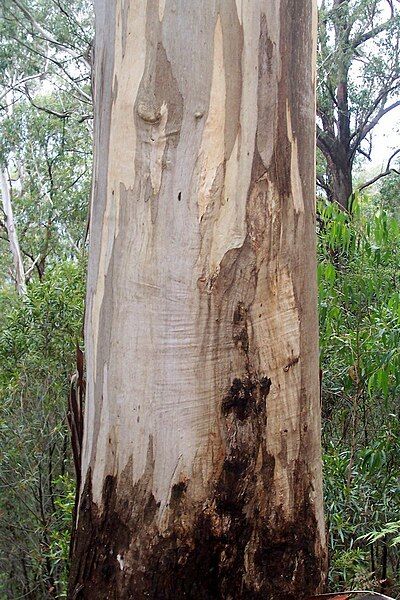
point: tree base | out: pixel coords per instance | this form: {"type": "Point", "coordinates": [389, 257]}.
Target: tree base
{"type": "Point", "coordinates": [353, 596]}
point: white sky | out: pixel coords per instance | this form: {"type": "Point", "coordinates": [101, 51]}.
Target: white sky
{"type": "Point", "coordinates": [385, 140]}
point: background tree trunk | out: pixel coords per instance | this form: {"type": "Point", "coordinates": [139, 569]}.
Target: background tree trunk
{"type": "Point", "coordinates": [201, 455]}
{"type": "Point", "coordinates": [19, 272]}
{"type": "Point", "coordinates": [342, 178]}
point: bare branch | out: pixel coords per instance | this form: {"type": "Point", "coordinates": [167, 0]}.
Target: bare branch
{"type": "Point", "coordinates": [361, 39]}
{"type": "Point", "coordinates": [381, 113]}
{"type": "Point", "coordinates": [46, 35]}
{"type": "Point", "coordinates": [388, 171]}
{"type": "Point", "coordinates": [86, 98]}
{"type": "Point", "coordinates": [367, 127]}
{"type": "Point", "coordinates": [72, 20]}
{"type": "Point", "coordinates": [49, 111]}
{"type": "Point", "coordinates": [20, 82]}
{"type": "Point", "coordinates": [366, 154]}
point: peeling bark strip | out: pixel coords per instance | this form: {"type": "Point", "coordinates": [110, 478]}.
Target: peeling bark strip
{"type": "Point", "coordinates": [201, 473]}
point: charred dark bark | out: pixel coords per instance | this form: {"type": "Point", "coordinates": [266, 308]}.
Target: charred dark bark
{"type": "Point", "coordinates": [212, 558]}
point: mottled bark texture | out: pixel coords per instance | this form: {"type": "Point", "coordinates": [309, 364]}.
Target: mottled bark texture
{"type": "Point", "coordinates": [201, 473]}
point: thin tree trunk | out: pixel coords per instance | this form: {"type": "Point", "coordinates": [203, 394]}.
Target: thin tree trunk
{"type": "Point", "coordinates": [12, 233]}
{"type": "Point", "coordinates": [384, 561]}
{"type": "Point", "coordinates": [201, 473]}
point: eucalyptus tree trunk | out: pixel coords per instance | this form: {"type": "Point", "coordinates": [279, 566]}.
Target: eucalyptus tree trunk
{"type": "Point", "coordinates": [201, 474]}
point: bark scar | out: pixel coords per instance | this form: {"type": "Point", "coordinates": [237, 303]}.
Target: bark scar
{"type": "Point", "coordinates": [291, 363]}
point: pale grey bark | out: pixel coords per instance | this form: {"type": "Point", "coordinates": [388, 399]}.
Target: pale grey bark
{"type": "Point", "coordinates": [19, 272]}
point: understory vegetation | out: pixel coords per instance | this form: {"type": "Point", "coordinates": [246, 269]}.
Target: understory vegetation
{"type": "Point", "coordinates": [359, 304]}
{"type": "Point", "coordinates": [38, 334]}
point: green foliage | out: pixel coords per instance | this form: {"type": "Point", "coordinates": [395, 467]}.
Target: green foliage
{"type": "Point", "coordinates": [50, 163]}
{"type": "Point", "coordinates": [49, 41]}
{"type": "Point", "coordinates": [390, 529]}
{"type": "Point", "coordinates": [389, 195]}
{"type": "Point", "coordinates": [45, 117]}
{"type": "Point", "coordinates": [360, 357]}
{"type": "Point", "coordinates": [38, 335]}
{"type": "Point", "coordinates": [60, 535]}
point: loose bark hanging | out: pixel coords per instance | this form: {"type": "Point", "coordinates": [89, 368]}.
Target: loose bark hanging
{"type": "Point", "coordinates": [201, 474]}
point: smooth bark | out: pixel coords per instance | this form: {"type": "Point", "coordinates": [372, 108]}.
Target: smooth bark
{"type": "Point", "coordinates": [19, 272]}
{"type": "Point", "coordinates": [201, 467]}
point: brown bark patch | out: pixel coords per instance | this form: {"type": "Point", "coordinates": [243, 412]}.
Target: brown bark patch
{"type": "Point", "coordinates": [242, 399]}
{"type": "Point", "coordinates": [240, 334]}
